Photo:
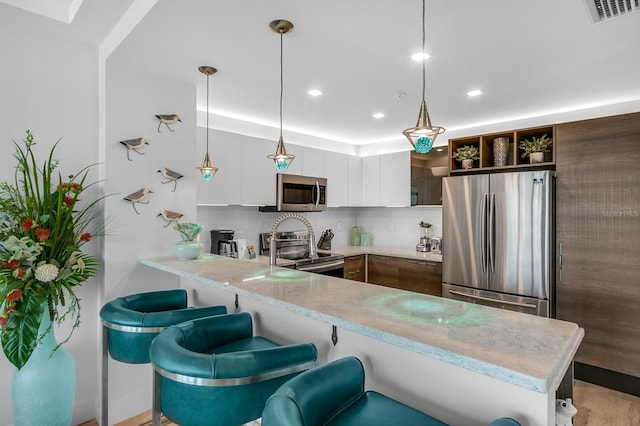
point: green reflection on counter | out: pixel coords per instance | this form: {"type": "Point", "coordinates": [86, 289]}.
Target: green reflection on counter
{"type": "Point", "coordinates": [421, 309]}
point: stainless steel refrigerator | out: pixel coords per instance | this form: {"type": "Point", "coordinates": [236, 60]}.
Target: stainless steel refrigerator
{"type": "Point", "coordinates": [498, 240]}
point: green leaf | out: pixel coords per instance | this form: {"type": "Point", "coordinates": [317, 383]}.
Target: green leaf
{"type": "Point", "coordinates": [20, 335]}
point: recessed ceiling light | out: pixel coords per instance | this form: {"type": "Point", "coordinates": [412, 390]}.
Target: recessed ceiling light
{"type": "Point", "coordinates": [474, 93]}
{"type": "Point", "coordinates": [420, 56]}
{"type": "Point", "coordinates": [378, 115]}
{"type": "Point", "coordinates": [314, 92]}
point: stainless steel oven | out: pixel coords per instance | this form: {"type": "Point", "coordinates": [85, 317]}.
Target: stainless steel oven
{"type": "Point", "coordinates": [294, 245]}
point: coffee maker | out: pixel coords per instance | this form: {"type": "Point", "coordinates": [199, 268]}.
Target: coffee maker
{"type": "Point", "coordinates": [222, 243]}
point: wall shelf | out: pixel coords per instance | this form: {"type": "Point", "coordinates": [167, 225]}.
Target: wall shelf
{"type": "Point", "coordinates": [484, 143]}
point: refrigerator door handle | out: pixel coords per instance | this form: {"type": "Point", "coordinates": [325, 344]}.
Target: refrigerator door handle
{"type": "Point", "coordinates": [488, 299]}
{"type": "Point", "coordinates": [483, 232]}
{"type": "Point", "coordinates": [492, 223]}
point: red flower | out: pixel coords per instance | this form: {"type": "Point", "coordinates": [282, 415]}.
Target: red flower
{"type": "Point", "coordinates": [76, 186]}
{"type": "Point", "coordinates": [85, 237]}
{"type": "Point", "coordinates": [14, 295]}
{"type": "Point", "coordinates": [3, 321]}
{"type": "Point", "coordinates": [27, 223]}
{"type": "Point", "coordinates": [20, 273]}
{"type": "Point", "coordinates": [12, 264]}
{"type": "Point", "coordinates": [10, 309]}
{"type": "Point", "coordinates": [68, 200]}
{"type": "Point", "coordinates": [42, 234]}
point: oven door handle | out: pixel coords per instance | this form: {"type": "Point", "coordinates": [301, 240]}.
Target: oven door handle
{"type": "Point", "coordinates": [327, 266]}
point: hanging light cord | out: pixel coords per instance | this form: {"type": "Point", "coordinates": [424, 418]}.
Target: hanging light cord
{"type": "Point", "coordinates": [208, 113]}
{"type": "Point", "coordinates": [423, 52]}
{"type": "Point", "coordinates": [281, 82]}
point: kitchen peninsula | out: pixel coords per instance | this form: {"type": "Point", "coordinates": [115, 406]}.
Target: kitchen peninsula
{"type": "Point", "coordinates": [463, 363]}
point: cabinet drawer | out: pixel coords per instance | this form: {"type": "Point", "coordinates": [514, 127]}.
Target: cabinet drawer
{"type": "Point", "coordinates": [421, 276]}
{"type": "Point", "coordinates": [354, 268]}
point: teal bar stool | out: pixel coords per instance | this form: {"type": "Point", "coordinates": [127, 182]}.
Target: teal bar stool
{"type": "Point", "coordinates": [333, 395]}
{"type": "Point", "coordinates": [130, 323]}
{"type": "Point", "coordinates": [214, 372]}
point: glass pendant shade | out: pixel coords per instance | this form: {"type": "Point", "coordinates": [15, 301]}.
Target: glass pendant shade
{"type": "Point", "coordinates": [207, 170]}
{"type": "Point", "coordinates": [423, 135]}
{"type": "Point", "coordinates": [281, 158]}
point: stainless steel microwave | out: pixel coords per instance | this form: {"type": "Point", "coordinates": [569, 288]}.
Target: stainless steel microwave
{"type": "Point", "coordinates": [296, 193]}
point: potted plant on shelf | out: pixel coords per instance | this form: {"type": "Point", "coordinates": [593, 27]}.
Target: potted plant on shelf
{"type": "Point", "coordinates": [188, 248]}
{"type": "Point", "coordinates": [43, 226]}
{"type": "Point", "coordinates": [535, 148]}
{"type": "Point", "coordinates": [466, 155]}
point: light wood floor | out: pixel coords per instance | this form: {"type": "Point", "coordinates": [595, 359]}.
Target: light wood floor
{"type": "Point", "coordinates": [597, 406]}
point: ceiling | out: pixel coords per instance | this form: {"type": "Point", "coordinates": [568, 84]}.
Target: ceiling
{"type": "Point", "coordinates": [536, 62]}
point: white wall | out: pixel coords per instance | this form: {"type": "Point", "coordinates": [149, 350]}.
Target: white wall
{"type": "Point", "coordinates": [49, 85]}
{"type": "Point", "coordinates": [133, 99]}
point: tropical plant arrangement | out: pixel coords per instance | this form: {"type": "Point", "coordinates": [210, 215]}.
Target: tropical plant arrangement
{"type": "Point", "coordinates": [540, 144]}
{"type": "Point", "coordinates": [189, 231]}
{"type": "Point", "coordinates": [466, 152]}
{"type": "Point", "coordinates": [42, 230]}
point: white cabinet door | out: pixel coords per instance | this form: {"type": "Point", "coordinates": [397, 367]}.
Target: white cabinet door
{"type": "Point", "coordinates": [225, 150]}
{"type": "Point", "coordinates": [371, 181]}
{"type": "Point", "coordinates": [257, 173]}
{"type": "Point", "coordinates": [395, 179]}
{"type": "Point", "coordinates": [337, 174]}
{"type": "Point", "coordinates": [355, 181]}
{"type": "Point", "coordinates": [313, 162]}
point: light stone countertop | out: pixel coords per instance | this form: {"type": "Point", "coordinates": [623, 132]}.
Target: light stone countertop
{"type": "Point", "coordinates": [521, 349]}
{"type": "Point", "coordinates": [386, 251]}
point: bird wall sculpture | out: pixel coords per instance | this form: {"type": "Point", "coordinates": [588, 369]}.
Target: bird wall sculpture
{"type": "Point", "coordinates": [170, 176]}
{"type": "Point", "coordinates": [138, 197]}
{"type": "Point", "coordinates": [170, 216]}
{"type": "Point", "coordinates": [134, 145]}
{"type": "Point", "coordinates": [167, 119]}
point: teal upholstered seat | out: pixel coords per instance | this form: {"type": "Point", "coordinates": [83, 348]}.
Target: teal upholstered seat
{"type": "Point", "coordinates": [130, 324]}
{"type": "Point", "coordinates": [333, 395]}
{"type": "Point", "coordinates": [213, 371]}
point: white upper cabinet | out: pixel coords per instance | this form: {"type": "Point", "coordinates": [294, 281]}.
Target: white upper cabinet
{"type": "Point", "coordinates": [395, 179]}
{"type": "Point", "coordinates": [257, 173]}
{"type": "Point", "coordinates": [225, 150]}
{"type": "Point", "coordinates": [313, 162]}
{"type": "Point", "coordinates": [354, 192]}
{"type": "Point", "coordinates": [371, 181]}
{"type": "Point", "coordinates": [337, 174]}
{"type": "Point", "coordinates": [386, 180]}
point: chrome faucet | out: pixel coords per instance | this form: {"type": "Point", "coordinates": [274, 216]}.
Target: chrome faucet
{"type": "Point", "coordinates": [274, 228]}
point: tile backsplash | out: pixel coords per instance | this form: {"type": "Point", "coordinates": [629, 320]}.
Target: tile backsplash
{"type": "Point", "coordinates": [388, 226]}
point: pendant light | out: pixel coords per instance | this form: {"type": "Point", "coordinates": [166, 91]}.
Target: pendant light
{"type": "Point", "coordinates": [281, 158]}
{"type": "Point", "coordinates": [423, 135]}
{"type": "Point", "coordinates": [207, 169]}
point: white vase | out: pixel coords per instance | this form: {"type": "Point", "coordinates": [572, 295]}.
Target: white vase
{"type": "Point", "coordinates": [187, 250]}
{"type": "Point", "coordinates": [43, 390]}
{"type": "Point", "coordinates": [467, 164]}
{"type": "Point", "coordinates": [536, 157]}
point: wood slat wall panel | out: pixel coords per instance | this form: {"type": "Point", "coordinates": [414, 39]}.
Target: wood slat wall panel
{"type": "Point", "coordinates": [598, 225]}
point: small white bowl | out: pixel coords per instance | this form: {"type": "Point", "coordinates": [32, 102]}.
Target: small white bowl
{"type": "Point", "coordinates": [440, 171]}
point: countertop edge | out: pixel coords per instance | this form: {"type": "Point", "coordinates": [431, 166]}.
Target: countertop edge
{"type": "Point", "coordinates": [537, 384]}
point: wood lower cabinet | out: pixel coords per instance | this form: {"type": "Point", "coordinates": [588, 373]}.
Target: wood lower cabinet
{"type": "Point", "coordinates": [420, 276]}
{"type": "Point", "coordinates": [382, 270]}
{"type": "Point", "coordinates": [354, 268]}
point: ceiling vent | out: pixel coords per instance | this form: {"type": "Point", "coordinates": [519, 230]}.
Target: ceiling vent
{"type": "Point", "coordinates": [602, 10]}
